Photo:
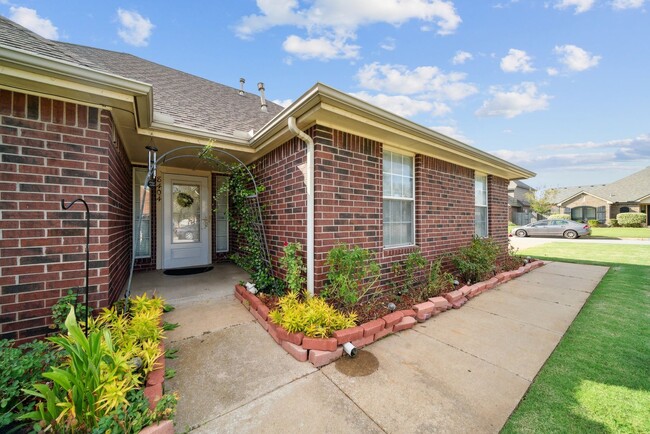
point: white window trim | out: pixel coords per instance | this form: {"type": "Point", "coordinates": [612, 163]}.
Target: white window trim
{"type": "Point", "coordinates": [136, 209]}
{"type": "Point", "coordinates": [411, 199]}
{"type": "Point", "coordinates": [486, 206]}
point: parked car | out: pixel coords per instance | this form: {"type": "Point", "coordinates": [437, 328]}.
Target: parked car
{"type": "Point", "coordinates": [553, 228]}
{"type": "Point", "coordinates": [189, 232]}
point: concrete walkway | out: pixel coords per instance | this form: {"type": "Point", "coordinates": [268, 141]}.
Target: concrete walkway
{"type": "Point", "coordinates": [462, 371]}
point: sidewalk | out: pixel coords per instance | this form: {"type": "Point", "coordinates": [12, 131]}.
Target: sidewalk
{"type": "Point", "coordinates": [462, 371]}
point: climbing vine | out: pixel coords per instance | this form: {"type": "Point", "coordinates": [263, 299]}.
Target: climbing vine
{"type": "Point", "coordinates": [242, 219]}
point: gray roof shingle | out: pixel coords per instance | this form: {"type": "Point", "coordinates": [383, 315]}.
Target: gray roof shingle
{"type": "Point", "coordinates": [628, 189]}
{"type": "Point", "coordinates": [188, 100]}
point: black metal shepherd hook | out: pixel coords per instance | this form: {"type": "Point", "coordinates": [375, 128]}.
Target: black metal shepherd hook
{"type": "Point", "coordinates": [87, 247]}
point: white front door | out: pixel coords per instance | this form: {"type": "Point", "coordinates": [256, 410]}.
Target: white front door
{"type": "Point", "coordinates": [186, 221]}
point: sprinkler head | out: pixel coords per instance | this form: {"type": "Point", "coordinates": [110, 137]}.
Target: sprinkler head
{"type": "Point", "coordinates": [391, 307]}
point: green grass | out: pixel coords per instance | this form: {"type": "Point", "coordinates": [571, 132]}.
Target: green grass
{"type": "Point", "coordinates": [621, 232]}
{"type": "Point", "coordinates": [598, 378]}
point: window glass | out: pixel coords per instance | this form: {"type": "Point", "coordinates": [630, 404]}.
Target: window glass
{"type": "Point", "coordinates": [399, 204]}
{"type": "Point", "coordinates": [143, 250]}
{"type": "Point", "coordinates": [221, 214]}
{"type": "Point", "coordinates": [481, 206]}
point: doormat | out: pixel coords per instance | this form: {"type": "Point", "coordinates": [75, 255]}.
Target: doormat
{"type": "Point", "coordinates": [187, 271]}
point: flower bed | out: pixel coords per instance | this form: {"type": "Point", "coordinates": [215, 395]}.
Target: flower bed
{"type": "Point", "coordinates": [321, 351]}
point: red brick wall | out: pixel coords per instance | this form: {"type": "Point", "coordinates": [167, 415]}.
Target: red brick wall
{"type": "Point", "coordinates": [498, 210]}
{"type": "Point", "coordinates": [347, 203]}
{"type": "Point", "coordinates": [444, 195]}
{"type": "Point", "coordinates": [52, 150]}
{"type": "Point", "coordinates": [120, 213]}
{"type": "Point", "coordinates": [284, 199]}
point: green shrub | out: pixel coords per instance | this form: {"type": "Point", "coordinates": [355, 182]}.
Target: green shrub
{"type": "Point", "coordinates": [20, 367]}
{"type": "Point", "coordinates": [313, 316]}
{"type": "Point", "coordinates": [476, 261]}
{"type": "Point", "coordinates": [62, 307]}
{"type": "Point", "coordinates": [410, 272]}
{"type": "Point", "coordinates": [631, 219]}
{"type": "Point", "coordinates": [593, 223]}
{"type": "Point", "coordinates": [614, 223]}
{"type": "Point", "coordinates": [352, 273]}
{"type": "Point", "coordinates": [438, 280]}
{"type": "Point", "coordinates": [293, 266]}
{"type": "Point", "coordinates": [560, 216]}
{"type": "Point", "coordinates": [93, 381]}
{"type": "Point", "coordinates": [131, 418]}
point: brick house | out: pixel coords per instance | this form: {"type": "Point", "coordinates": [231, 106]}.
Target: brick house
{"type": "Point", "coordinates": [604, 202]}
{"type": "Point", "coordinates": [75, 122]}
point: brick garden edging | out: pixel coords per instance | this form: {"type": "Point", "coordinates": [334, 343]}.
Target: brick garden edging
{"type": "Point", "coordinates": [321, 351]}
{"type": "Point", "coordinates": [153, 390]}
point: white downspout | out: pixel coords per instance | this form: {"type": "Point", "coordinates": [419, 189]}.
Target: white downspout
{"type": "Point", "coordinates": [309, 181]}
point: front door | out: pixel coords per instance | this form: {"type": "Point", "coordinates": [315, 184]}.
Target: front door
{"type": "Point", "coordinates": [186, 221]}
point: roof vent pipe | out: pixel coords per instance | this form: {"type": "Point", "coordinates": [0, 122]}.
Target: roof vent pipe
{"type": "Point", "coordinates": [260, 87]}
{"type": "Point", "coordinates": [241, 86]}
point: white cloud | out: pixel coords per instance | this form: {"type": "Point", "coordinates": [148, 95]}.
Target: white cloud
{"type": "Point", "coordinates": [283, 102]}
{"type": "Point", "coordinates": [552, 71]}
{"type": "Point", "coordinates": [579, 5]}
{"type": "Point", "coordinates": [388, 44]}
{"type": "Point", "coordinates": [338, 20]}
{"type": "Point", "coordinates": [453, 132]}
{"type": "Point", "coordinates": [584, 155]}
{"type": "Point", "coordinates": [461, 57]}
{"type": "Point", "coordinates": [319, 48]}
{"type": "Point", "coordinates": [516, 61]}
{"type": "Point", "coordinates": [29, 19]}
{"type": "Point", "coordinates": [575, 58]}
{"type": "Point", "coordinates": [134, 28]}
{"type": "Point", "coordinates": [522, 98]}
{"type": "Point", "coordinates": [627, 4]}
{"type": "Point", "coordinates": [398, 79]}
{"type": "Point", "coordinates": [403, 105]}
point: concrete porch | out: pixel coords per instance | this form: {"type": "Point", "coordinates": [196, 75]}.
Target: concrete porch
{"type": "Point", "coordinates": [204, 302]}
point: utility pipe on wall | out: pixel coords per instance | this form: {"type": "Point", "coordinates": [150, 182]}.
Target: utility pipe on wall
{"type": "Point", "coordinates": [309, 181]}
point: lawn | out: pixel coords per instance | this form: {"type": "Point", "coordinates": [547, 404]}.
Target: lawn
{"type": "Point", "coordinates": [598, 378]}
{"type": "Point", "coordinates": [620, 232]}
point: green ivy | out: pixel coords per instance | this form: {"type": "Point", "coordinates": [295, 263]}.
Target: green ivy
{"type": "Point", "coordinates": [241, 219]}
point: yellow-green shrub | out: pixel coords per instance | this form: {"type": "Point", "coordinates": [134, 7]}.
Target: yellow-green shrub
{"type": "Point", "coordinates": [138, 333]}
{"type": "Point", "coordinates": [313, 316]}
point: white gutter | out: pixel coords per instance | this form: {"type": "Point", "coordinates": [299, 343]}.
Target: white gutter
{"type": "Point", "coordinates": [309, 181]}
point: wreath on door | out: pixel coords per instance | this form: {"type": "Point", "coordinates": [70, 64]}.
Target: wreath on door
{"type": "Point", "coordinates": [184, 200]}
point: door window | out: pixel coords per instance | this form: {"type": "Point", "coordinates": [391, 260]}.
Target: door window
{"type": "Point", "coordinates": [186, 213]}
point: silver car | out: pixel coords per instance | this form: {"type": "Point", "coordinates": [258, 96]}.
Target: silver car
{"type": "Point", "coordinates": [553, 228]}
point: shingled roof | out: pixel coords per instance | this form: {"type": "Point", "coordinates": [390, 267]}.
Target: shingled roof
{"type": "Point", "coordinates": [629, 189]}
{"type": "Point", "coordinates": [182, 99]}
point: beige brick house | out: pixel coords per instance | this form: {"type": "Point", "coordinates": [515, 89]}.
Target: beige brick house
{"type": "Point", "coordinates": [604, 202]}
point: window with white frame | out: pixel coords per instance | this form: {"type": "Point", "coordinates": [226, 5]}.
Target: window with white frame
{"type": "Point", "coordinates": [480, 205]}
{"type": "Point", "coordinates": [143, 250]}
{"type": "Point", "coordinates": [221, 214]}
{"type": "Point", "coordinates": [399, 203]}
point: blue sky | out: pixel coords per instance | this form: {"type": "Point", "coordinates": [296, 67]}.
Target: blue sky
{"type": "Point", "coordinates": [560, 87]}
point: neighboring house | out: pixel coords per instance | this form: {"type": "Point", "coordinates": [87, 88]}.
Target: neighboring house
{"type": "Point", "coordinates": [604, 202]}
{"type": "Point", "coordinates": [75, 122]}
{"type": "Point", "coordinates": [518, 204]}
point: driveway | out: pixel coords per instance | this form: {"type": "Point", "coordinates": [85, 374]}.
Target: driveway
{"type": "Point", "coordinates": [524, 243]}
{"type": "Point", "coordinates": [462, 371]}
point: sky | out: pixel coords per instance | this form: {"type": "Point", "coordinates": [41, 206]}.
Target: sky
{"type": "Point", "coordinates": [559, 87]}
